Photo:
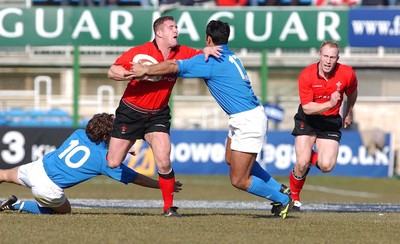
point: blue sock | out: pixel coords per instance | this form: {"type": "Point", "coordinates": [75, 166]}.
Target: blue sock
{"type": "Point", "coordinates": [262, 189]}
{"type": "Point", "coordinates": [259, 172]}
{"type": "Point", "coordinates": [31, 207]}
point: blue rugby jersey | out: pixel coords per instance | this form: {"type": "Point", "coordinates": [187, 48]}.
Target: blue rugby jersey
{"type": "Point", "coordinates": [225, 77]}
{"type": "Point", "coordinates": [79, 159]}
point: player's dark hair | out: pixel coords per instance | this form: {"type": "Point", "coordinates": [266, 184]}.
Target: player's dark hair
{"type": "Point", "coordinates": [99, 127]}
{"type": "Point", "coordinates": [160, 21]}
{"type": "Point", "coordinates": [218, 31]}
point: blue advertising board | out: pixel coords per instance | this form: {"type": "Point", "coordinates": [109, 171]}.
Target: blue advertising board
{"type": "Point", "coordinates": [203, 152]}
{"type": "Point", "coordinates": [374, 27]}
{"type": "Point", "coordinates": [274, 112]}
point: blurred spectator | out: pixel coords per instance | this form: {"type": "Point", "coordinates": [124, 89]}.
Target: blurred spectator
{"type": "Point", "coordinates": [227, 3]}
{"type": "Point", "coordinates": [86, 3]}
{"type": "Point", "coordinates": [374, 2]}
{"type": "Point", "coordinates": [81, 2]}
{"type": "Point", "coordinates": [274, 2]}
{"type": "Point", "coordinates": [205, 3]}
{"type": "Point", "coordinates": [145, 3]}
{"type": "Point", "coordinates": [339, 2]}
{"type": "Point", "coordinates": [284, 2]}
{"type": "Point", "coordinates": [177, 2]}
{"type": "Point", "coordinates": [167, 5]}
{"type": "Point", "coordinates": [394, 2]}
{"type": "Point", "coordinates": [109, 3]}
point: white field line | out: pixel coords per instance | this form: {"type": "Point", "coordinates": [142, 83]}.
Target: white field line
{"type": "Point", "coordinates": [342, 192]}
{"type": "Point", "coordinates": [233, 205]}
{"type": "Point", "coordinates": [307, 187]}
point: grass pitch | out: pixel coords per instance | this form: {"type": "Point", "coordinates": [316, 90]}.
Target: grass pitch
{"type": "Point", "coordinates": [210, 225]}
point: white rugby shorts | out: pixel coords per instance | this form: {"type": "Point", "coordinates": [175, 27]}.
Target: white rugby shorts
{"type": "Point", "coordinates": [44, 190]}
{"type": "Point", "coordinates": [248, 130]}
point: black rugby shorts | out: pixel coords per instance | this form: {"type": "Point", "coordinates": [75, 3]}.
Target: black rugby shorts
{"type": "Point", "coordinates": [131, 124]}
{"type": "Point", "coordinates": [325, 127]}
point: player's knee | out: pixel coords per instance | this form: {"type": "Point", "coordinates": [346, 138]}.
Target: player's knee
{"type": "Point", "coordinates": [302, 166]}
{"type": "Point", "coordinates": [163, 163]}
{"type": "Point", "coordinates": [65, 208]}
{"type": "Point", "coordinates": [64, 211]}
{"type": "Point", "coordinates": [69, 210]}
{"type": "Point", "coordinates": [164, 168]}
{"type": "Point", "coordinates": [325, 168]}
{"type": "Point", "coordinates": [238, 183]}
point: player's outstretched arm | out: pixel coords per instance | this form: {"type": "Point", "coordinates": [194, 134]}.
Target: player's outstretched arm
{"type": "Point", "coordinates": [146, 181]}
{"type": "Point", "coordinates": [163, 68]}
{"type": "Point", "coordinates": [119, 73]}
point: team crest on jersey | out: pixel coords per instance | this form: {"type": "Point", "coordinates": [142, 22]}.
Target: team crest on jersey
{"type": "Point", "coordinates": [338, 85]}
{"type": "Point", "coordinates": [302, 125]}
{"type": "Point", "coordinates": [123, 129]}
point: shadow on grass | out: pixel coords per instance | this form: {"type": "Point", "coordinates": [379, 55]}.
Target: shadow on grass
{"type": "Point", "coordinates": [185, 215]}
{"type": "Point", "coordinates": [156, 213]}
{"type": "Point", "coordinates": [118, 213]}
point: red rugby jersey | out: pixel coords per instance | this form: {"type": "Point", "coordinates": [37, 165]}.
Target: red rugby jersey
{"type": "Point", "coordinates": [147, 94]}
{"type": "Point", "coordinates": [314, 88]}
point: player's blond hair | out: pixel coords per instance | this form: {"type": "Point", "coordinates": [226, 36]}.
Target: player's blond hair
{"type": "Point", "coordinates": [330, 44]}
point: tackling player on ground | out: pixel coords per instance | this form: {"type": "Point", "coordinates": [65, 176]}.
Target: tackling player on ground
{"type": "Point", "coordinates": [81, 157]}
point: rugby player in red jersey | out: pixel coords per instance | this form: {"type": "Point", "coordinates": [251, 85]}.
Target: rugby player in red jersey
{"type": "Point", "coordinates": [143, 112]}
{"type": "Point", "coordinates": [318, 122]}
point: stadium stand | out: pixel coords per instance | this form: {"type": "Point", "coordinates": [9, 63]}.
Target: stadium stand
{"type": "Point", "coordinates": [35, 118]}
{"type": "Point", "coordinates": [14, 3]}
{"type": "Point", "coordinates": [95, 2]}
{"type": "Point", "coordinates": [295, 2]}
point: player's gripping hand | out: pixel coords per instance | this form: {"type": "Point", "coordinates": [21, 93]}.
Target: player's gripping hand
{"type": "Point", "coordinates": [335, 97]}
{"type": "Point", "coordinates": [177, 186]}
{"type": "Point", "coordinates": [138, 70]}
{"type": "Point", "coordinates": [128, 75]}
{"type": "Point", "coordinates": [212, 51]}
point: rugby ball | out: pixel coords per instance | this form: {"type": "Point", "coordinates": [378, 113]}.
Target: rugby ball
{"type": "Point", "coordinates": [145, 59]}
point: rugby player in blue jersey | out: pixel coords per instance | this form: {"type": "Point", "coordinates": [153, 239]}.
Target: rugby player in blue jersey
{"type": "Point", "coordinates": [81, 157]}
{"type": "Point", "coordinates": [229, 84]}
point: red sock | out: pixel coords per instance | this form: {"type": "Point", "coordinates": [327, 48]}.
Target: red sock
{"type": "Point", "coordinates": [296, 185]}
{"type": "Point", "coordinates": [167, 190]}
{"type": "Point", "coordinates": [314, 158]}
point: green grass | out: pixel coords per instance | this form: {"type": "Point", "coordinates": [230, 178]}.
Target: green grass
{"type": "Point", "coordinates": [208, 226]}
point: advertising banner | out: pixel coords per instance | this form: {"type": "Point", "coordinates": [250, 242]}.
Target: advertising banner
{"type": "Point", "coordinates": [274, 112]}
{"type": "Point", "coordinates": [19, 145]}
{"type": "Point", "coordinates": [374, 27]}
{"type": "Point", "coordinates": [250, 28]}
{"type": "Point", "coordinates": [203, 152]}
